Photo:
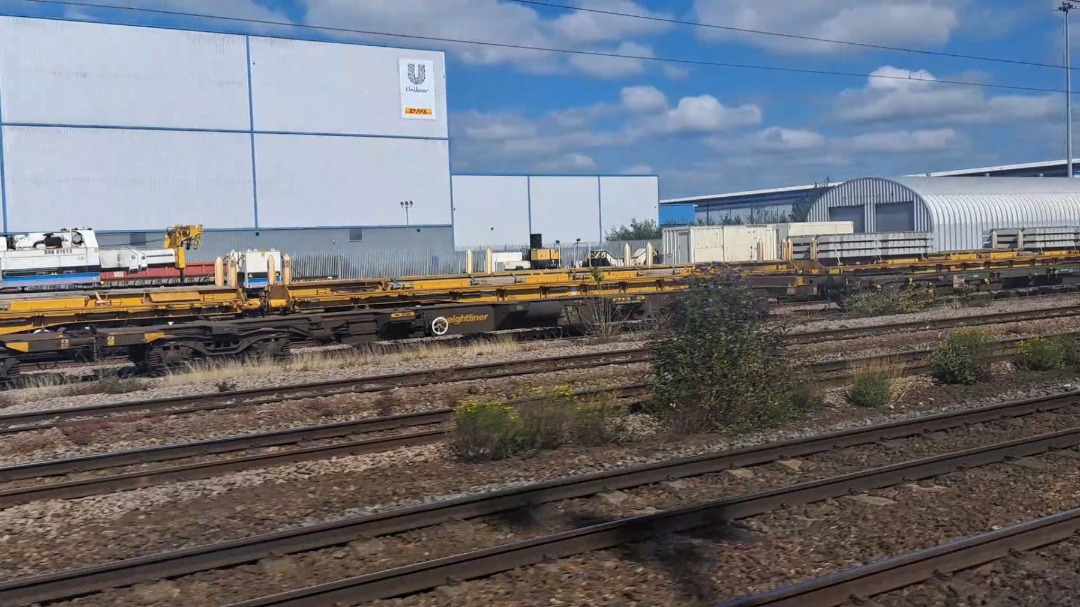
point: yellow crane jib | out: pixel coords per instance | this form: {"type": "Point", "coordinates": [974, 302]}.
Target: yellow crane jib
{"type": "Point", "coordinates": [180, 239]}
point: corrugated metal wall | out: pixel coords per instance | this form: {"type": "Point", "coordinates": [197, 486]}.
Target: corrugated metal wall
{"type": "Point", "coordinates": [959, 211]}
{"type": "Point", "coordinates": [124, 127]}
{"type": "Point", "coordinates": [867, 194]}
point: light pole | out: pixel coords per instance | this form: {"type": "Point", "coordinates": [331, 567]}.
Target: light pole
{"type": "Point", "coordinates": [406, 204]}
{"type": "Point", "coordinates": [1066, 6]}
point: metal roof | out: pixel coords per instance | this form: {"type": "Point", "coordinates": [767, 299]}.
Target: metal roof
{"type": "Point", "coordinates": [1005, 168]}
{"type": "Point", "coordinates": [793, 188]}
{"type": "Point", "coordinates": [960, 210]}
{"type": "Point", "coordinates": [990, 186]}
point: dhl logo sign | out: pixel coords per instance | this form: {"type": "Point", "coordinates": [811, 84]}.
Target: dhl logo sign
{"type": "Point", "coordinates": [461, 318]}
{"type": "Point", "coordinates": [419, 111]}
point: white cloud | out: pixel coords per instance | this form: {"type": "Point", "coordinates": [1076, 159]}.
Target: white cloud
{"type": "Point", "coordinates": [501, 23]}
{"type": "Point", "coordinates": [583, 26]}
{"type": "Point", "coordinates": [705, 114]}
{"type": "Point", "coordinates": [573, 162]}
{"type": "Point", "coordinates": [638, 169]}
{"type": "Point", "coordinates": [498, 128]}
{"type": "Point", "coordinates": [644, 99]}
{"type": "Point", "coordinates": [781, 139]}
{"type": "Point", "coordinates": [601, 66]}
{"type": "Point", "coordinates": [675, 72]}
{"type": "Point", "coordinates": [885, 22]}
{"type": "Point", "coordinates": [904, 142]}
{"type": "Point", "coordinates": [919, 100]}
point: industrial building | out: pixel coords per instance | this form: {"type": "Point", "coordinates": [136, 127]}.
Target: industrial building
{"type": "Point", "coordinates": [767, 205]}
{"type": "Point", "coordinates": [267, 142]}
{"type": "Point", "coordinates": [957, 211]}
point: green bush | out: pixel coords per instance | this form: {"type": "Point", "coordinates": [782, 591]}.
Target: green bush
{"type": "Point", "coordinates": [717, 363]}
{"type": "Point", "coordinates": [1046, 353]}
{"type": "Point", "coordinates": [873, 387]}
{"type": "Point", "coordinates": [962, 358]}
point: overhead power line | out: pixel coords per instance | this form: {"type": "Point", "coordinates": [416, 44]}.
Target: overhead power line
{"type": "Point", "coordinates": [746, 30]}
{"type": "Point", "coordinates": [674, 60]}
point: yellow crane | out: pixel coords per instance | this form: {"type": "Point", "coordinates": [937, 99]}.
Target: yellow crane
{"type": "Point", "coordinates": [180, 239]}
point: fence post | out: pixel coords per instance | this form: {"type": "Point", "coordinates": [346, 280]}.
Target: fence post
{"type": "Point", "coordinates": [489, 261]}
{"type": "Point", "coordinates": [648, 255]}
{"type": "Point", "coordinates": [626, 255]}
{"type": "Point", "coordinates": [468, 261]}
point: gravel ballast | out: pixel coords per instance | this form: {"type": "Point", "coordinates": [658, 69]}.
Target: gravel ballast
{"type": "Point", "coordinates": [760, 564]}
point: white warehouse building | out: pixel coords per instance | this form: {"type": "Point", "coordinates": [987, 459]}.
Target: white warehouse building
{"type": "Point", "coordinates": [267, 142]}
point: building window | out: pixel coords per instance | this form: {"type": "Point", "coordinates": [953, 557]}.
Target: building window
{"type": "Point", "coordinates": [356, 234]}
{"type": "Point", "coordinates": [137, 239]}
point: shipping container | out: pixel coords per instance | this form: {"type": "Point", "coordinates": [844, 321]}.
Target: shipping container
{"type": "Point", "coordinates": [686, 245]}
{"type": "Point", "coordinates": [762, 242]}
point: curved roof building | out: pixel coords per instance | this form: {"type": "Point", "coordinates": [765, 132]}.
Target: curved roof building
{"type": "Point", "coordinates": [957, 210]}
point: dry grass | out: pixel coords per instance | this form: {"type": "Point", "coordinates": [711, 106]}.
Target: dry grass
{"type": "Point", "coordinates": [337, 360]}
{"type": "Point", "coordinates": [48, 385]}
{"type": "Point", "coordinates": [876, 384]}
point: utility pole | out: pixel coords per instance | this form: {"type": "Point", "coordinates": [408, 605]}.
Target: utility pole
{"type": "Point", "coordinates": [406, 204]}
{"type": "Point", "coordinates": [1066, 6]}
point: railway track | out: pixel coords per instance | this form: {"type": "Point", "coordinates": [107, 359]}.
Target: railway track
{"type": "Point", "coordinates": [17, 422]}
{"type": "Point", "coordinates": [921, 566]}
{"type": "Point", "coordinates": [64, 371]}
{"type": "Point", "coordinates": [996, 318]}
{"type": "Point", "coordinates": [427, 575]}
{"type": "Point", "coordinates": [76, 488]}
{"type": "Point", "coordinates": [75, 582]}
{"type": "Point", "coordinates": [826, 373]}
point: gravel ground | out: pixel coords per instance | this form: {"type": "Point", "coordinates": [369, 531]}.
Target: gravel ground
{"type": "Point", "coordinates": [783, 547]}
{"type": "Point", "coordinates": [69, 533]}
{"type": "Point", "coordinates": [1039, 578]}
{"type": "Point", "coordinates": [923, 340]}
{"type": "Point", "coordinates": [759, 565]}
{"type": "Point", "coordinates": [139, 430]}
{"type": "Point", "coordinates": [46, 398]}
{"type": "Point", "coordinates": [1002, 305]}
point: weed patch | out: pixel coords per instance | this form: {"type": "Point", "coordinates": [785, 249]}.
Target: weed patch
{"type": "Point", "coordinates": [487, 429]}
{"type": "Point", "coordinates": [874, 385]}
{"type": "Point", "coordinates": [962, 358]}
{"type": "Point", "coordinates": [1046, 353]}
{"type": "Point", "coordinates": [883, 302]}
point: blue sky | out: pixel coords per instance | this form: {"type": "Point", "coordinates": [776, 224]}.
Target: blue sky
{"type": "Point", "coordinates": [703, 129]}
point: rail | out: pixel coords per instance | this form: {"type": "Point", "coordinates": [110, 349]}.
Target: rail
{"type": "Point", "coordinates": [916, 567]}
{"type": "Point", "coordinates": [204, 402]}
{"type": "Point", "coordinates": [146, 478]}
{"type": "Point", "coordinates": [85, 580]}
{"type": "Point", "coordinates": [482, 563]}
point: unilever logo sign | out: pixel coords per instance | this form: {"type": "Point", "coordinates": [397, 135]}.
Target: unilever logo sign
{"type": "Point", "coordinates": [417, 89]}
{"type": "Point", "coordinates": [417, 75]}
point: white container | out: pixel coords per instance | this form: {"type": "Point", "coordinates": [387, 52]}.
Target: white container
{"type": "Point", "coordinates": [720, 244]}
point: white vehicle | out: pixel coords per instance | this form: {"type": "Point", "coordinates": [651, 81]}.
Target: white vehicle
{"type": "Point", "coordinates": [66, 257]}
{"type": "Point", "coordinates": [70, 257]}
